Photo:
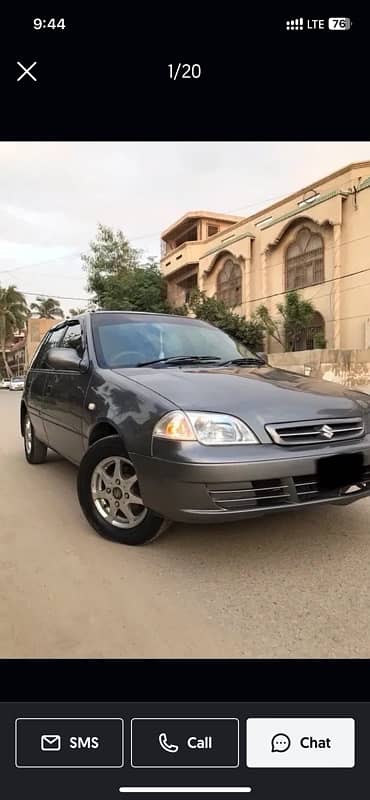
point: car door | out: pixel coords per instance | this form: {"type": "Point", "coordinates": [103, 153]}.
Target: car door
{"type": "Point", "coordinates": [36, 379]}
{"type": "Point", "coordinates": [65, 392]}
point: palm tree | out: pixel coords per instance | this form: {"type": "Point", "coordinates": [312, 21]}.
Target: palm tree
{"type": "Point", "coordinates": [47, 307]}
{"type": "Point", "coordinates": [13, 316]}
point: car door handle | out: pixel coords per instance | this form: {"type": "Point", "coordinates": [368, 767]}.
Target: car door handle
{"type": "Point", "coordinates": [48, 389]}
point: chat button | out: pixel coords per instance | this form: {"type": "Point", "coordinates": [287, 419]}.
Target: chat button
{"type": "Point", "coordinates": [281, 743]}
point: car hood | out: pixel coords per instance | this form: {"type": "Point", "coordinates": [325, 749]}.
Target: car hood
{"type": "Point", "coordinates": [266, 393]}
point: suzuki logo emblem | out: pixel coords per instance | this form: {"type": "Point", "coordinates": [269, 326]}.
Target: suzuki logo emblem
{"type": "Point", "coordinates": [327, 432]}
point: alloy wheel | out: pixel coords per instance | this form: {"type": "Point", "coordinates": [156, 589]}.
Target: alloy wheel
{"type": "Point", "coordinates": [115, 492]}
{"type": "Point", "coordinates": [28, 436]}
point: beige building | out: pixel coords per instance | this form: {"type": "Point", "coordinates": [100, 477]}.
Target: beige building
{"type": "Point", "coordinates": [19, 352]}
{"type": "Point", "coordinates": [36, 329]}
{"type": "Point", "coordinates": [316, 240]}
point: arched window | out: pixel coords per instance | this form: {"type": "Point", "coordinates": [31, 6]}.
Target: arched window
{"type": "Point", "coordinates": [229, 283]}
{"type": "Point", "coordinates": [313, 336]}
{"type": "Point", "coordinates": [304, 260]}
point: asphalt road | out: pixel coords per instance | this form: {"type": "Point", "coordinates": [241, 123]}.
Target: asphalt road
{"type": "Point", "coordinates": [294, 584]}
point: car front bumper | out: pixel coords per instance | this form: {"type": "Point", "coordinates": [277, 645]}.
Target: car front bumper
{"type": "Point", "coordinates": [179, 485]}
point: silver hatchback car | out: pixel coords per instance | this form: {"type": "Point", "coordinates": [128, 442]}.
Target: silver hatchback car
{"type": "Point", "coordinates": [168, 418]}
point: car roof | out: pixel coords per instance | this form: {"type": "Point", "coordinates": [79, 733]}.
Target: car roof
{"type": "Point", "coordinates": [140, 313]}
{"type": "Point", "coordinates": [102, 312]}
{"type": "Point", "coordinates": [150, 314]}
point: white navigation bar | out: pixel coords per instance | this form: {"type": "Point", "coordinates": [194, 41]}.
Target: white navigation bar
{"type": "Point", "coordinates": [185, 789]}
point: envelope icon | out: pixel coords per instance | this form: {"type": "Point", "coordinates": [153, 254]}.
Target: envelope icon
{"type": "Point", "coordinates": [51, 742]}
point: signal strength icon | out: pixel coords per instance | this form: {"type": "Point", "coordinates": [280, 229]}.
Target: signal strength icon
{"type": "Point", "coordinates": [294, 24]}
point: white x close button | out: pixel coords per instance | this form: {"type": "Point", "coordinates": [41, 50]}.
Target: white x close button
{"type": "Point", "coordinates": [300, 743]}
{"type": "Point", "coordinates": [26, 71]}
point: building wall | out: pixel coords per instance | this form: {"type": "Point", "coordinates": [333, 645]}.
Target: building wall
{"type": "Point", "coordinates": [36, 329]}
{"type": "Point", "coordinates": [355, 289]}
{"type": "Point", "coordinates": [321, 220]}
{"type": "Point", "coordinates": [341, 216]}
{"type": "Point", "coordinates": [350, 368]}
{"type": "Point", "coordinates": [201, 225]}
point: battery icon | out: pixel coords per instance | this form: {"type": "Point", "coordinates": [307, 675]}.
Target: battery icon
{"type": "Point", "coordinates": [339, 24]}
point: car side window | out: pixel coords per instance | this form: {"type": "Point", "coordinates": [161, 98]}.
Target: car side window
{"type": "Point", "coordinates": [73, 338]}
{"type": "Point", "coordinates": [52, 339]}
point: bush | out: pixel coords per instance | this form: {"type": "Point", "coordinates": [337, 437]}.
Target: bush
{"type": "Point", "coordinates": [319, 341]}
{"type": "Point", "coordinates": [210, 309]}
{"type": "Point", "coordinates": [296, 315]}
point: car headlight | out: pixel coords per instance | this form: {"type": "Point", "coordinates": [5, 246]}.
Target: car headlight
{"type": "Point", "coordinates": [205, 428]}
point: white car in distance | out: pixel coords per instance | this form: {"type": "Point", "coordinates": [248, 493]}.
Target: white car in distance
{"type": "Point", "coordinates": [16, 384]}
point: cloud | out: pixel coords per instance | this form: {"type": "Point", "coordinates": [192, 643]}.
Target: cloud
{"type": "Point", "coordinates": [53, 194]}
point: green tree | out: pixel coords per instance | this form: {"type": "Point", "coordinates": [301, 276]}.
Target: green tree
{"type": "Point", "coordinates": [119, 276]}
{"type": "Point", "coordinates": [249, 332]}
{"type": "Point", "coordinates": [13, 316]}
{"type": "Point", "coordinates": [75, 312]}
{"type": "Point", "coordinates": [138, 289]}
{"type": "Point", "coordinates": [47, 307]}
{"type": "Point", "coordinates": [295, 315]}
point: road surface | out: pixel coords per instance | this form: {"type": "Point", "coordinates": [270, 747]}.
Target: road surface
{"type": "Point", "coordinates": [294, 584]}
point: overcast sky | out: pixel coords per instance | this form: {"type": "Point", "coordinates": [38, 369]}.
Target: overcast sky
{"type": "Point", "coordinates": [53, 194]}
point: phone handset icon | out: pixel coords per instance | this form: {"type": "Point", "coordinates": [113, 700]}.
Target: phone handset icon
{"type": "Point", "coordinates": [169, 748]}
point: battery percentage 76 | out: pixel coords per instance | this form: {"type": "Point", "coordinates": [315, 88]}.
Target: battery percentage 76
{"type": "Point", "coordinates": [339, 23]}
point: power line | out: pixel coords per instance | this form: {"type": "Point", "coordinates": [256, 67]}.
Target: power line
{"type": "Point", "coordinates": [136, 238]}
{"type": "Point", "coordinates": [326, 248]}
{"type": "Point", "coordinates": [230, 211]}
{"type": "Point", "coordinates": [40, 263]}
{"type": "Point", "coordinates": [347, 289]}
{"type": "Point", "coordinates": [55, 296]}
{"type": "Point", "coordinates": [253, 300]}
{"type": "Point", "coordinates": [285, 291]}
{"type": "Point", "coordinates": [245, 302]}
{"type": "Point", "coordinates": [355, 316]}
{"type": "Point", "coordinates": [269, 266]}
{"type": "Point", "coordinates": [78, 253]}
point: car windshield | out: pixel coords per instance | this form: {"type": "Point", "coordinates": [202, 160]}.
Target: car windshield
{"type": "Point", "coordinates": [128, 341]}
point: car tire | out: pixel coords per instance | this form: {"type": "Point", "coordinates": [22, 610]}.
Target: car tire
{"type": "Point", "coordinates": [35, 451]}
{"type": "Point", "coordinates": [104, 473]}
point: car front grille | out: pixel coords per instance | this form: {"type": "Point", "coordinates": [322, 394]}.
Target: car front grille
{"type": "Point", "coordinates": [274, 493]}
{"type": "Point", "coordinates": [252, 494]}
{"type": "Point", "coordinates": [317, 431]}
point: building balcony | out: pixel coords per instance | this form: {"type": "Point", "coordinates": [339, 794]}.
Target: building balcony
{"type": "Point", "coordinates": [184, 255]}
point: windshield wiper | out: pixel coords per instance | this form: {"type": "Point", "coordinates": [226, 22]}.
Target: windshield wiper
{"type": "Point", "coordinates": [175, 360]}
{"type": "Point", "coordinates": [247, 361]}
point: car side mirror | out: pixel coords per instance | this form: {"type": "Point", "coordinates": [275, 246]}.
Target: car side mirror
{"type": "Point", "coordinates": [64, 358]}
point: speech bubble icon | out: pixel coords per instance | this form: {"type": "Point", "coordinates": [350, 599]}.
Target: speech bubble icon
{"type": "Point", "coordinates": [280, 743]}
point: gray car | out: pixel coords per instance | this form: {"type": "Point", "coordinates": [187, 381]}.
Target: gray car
{"type": "Point", "coordinates": [168, 418]}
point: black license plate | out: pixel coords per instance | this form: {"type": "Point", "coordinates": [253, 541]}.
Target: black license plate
{"type": "Point", "coordinates": [336, 472]}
